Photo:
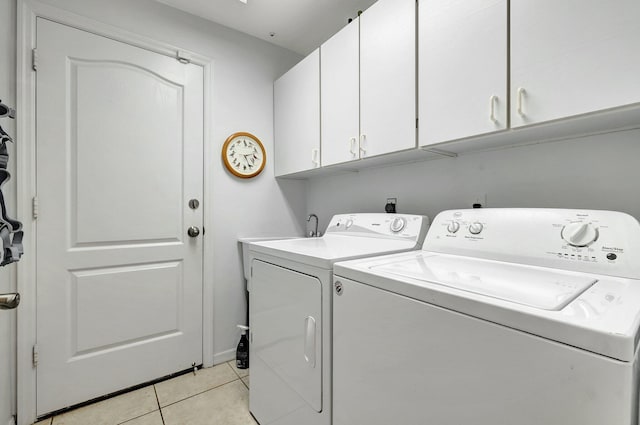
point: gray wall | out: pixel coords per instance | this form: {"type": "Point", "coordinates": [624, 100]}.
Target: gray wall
{"type": "Point", "coordinates": [596, 172]}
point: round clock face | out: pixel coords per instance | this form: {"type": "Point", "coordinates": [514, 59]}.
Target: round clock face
{"type": "Point", "coordinates": [243, 155]}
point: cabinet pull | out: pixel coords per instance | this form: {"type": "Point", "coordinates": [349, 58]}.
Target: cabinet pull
{"type": "Point", "coordinates": [363, 151]}
{"type": "Point", "coordinates": [352, 147]}
{"type": "Point", "coordinates": [492, 106]}
{"type": "Point", "coordinates": [521, 94]}
{"type": "Point", "coordinates": [314, 157]}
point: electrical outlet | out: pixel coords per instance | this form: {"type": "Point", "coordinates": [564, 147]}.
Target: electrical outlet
{"type": "Point", "coordinates": [390, 207]}
{"type": "Point", "coordinates": [481, 200]}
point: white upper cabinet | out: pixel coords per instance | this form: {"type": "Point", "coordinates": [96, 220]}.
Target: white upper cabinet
{"type": "Point", "coordinates": [340, 91]}
{"type": "Point", "coordinates": [462, 68]}
{"type": "Point", "coordinates": [297, 117]}
{"type": "Point", "coordinates": [388, 77]}
{"type": "Point", "coordinates": [571, 57]}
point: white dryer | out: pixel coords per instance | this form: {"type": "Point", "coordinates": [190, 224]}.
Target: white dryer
{"type": "Point", "coordinates": [507, 316]}
{"type": "Point", "coordinates": [290, 287]}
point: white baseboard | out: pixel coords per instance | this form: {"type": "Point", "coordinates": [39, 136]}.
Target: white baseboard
{"type": "Point", "coordinates": [224, 356]}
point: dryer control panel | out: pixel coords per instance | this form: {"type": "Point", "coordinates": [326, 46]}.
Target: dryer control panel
{"type": "Point", "coordinates": [604, 242]}
{"type": "Point", "coordinates": [396, 226]}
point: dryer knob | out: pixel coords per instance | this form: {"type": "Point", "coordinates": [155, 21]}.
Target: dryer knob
{"type": "Point", "coordinates": [579, 234]}
{"type": "Point", "coordinates": [475, 228]}
{"type": "Point", "coordinates": [397, 224]}
{"type": "Point", "coordinates": [453, 227]}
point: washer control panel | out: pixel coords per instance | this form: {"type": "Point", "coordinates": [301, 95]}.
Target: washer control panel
{"type": "Point", "coordinates": [404, 226]}
{"type": "Point", "coordinates": [582, 240]}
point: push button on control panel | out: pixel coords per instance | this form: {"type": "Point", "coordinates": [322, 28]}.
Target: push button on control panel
{"type": "Point", "coordinates": [611, 256]}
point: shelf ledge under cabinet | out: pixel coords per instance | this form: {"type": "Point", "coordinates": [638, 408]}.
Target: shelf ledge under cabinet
{"type": "Point", "coordinates": [601, 122]}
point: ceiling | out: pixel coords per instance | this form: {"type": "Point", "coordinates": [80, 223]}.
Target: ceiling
{"type": "Point", "coordinates": [298, 25]}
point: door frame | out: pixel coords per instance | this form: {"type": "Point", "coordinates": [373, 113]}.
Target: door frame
{"type": "Point", "coordinates": [27, 13]}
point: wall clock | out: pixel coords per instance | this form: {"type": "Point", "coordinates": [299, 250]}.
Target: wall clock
{"type": "Point", "coordinates": [243, 155]}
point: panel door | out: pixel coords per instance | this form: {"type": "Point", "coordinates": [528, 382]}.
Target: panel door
{"type": "Point", "coordinates": [119, 154]}
{"type": "Point", "coordinates": [388, 77]}
{"type": "Point", "coordinates": [340, 96]}
{"type": "Point", "coordinates": [297, 117]}
{"type": "Point", "coordinates": [395, 357]}
{"type": "Point", "coordinates": [572, 57]}
{"type": "Point", "coordinates": [286, 347]}
{"type": "Point", "coordinates": [462, 68]}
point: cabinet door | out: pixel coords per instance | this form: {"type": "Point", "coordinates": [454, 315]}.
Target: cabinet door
{"type": "Point", "coordinates": [388, 77]}
{"type": "Point", "coordinates": [297, 117]}
{"type": "Point", "coordinates": [571, 57]}
{"type": "Point", "coordinates": [462, 68]}
{"type": "Point", "coordinates": [339, 94]}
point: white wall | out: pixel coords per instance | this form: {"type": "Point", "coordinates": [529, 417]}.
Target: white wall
{"type": "Point", "coordinates": [244, 69]}
{"type": "Point", "coordinates": [7, 274]}
{"type": "Point", "coordinates": [597, 172]}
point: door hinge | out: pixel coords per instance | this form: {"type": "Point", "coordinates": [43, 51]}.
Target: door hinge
{"type": "Point", "coordinates": [36, 355]}
{"type": "Point", "coordinates": [35, 208]}
{"type": "Point", "coordinates": [182, 57]}
{"type": "Point", "coordinates": [34, 59]}
{"type": "Point", "coordinates": [416, 122]}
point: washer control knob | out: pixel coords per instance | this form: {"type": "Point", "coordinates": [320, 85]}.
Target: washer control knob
{"type": "Point", "coordinates": [348, 224]}
{"type": "Point", "coordinates": [453, 227]}
{"type": "Point", "coordinates": [475, 228]}
{"type": "Point", "coordinates": [397, 224]}
{"type": "Point", "coordinates": [579, 234]}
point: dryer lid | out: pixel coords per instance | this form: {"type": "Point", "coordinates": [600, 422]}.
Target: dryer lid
{"type": "Point", "coordinates": [527, 285]}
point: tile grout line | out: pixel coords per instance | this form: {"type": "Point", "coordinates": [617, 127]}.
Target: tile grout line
{"type": "Point", "coordinates": [159, 407]}
{"type": "Point", "coordinates": [201, 392]}
{"type": "Point", "coordinates": [234, 370]}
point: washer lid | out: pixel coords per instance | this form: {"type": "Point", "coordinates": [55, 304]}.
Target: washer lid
{"type": "Point", "coordinates": [531, 286]}
{"type": "Point", "coordinates": [323, 252]}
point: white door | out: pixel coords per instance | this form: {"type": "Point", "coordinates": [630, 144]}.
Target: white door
{"type": "Point", "coordinates": [572, 57]}
{"type": "Point", "coordinates": [340, 96]}
{"type": "Point", "coordinates": [297, 117]}
{"type": "Point", "coordinates": [462, 68]}
{"type": "Point", "coordinates": [388, 77]}
{"type": "Point", "coordinates": [119, 155]}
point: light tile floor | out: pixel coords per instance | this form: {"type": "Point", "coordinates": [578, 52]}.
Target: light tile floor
{"type": "Point", "coordinates": [218, 395]}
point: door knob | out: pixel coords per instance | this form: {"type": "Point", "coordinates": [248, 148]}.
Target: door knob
{"type": "Point", "coordinates": [193, 231]}
{"type": "Point", "coordinates": [9, 301]}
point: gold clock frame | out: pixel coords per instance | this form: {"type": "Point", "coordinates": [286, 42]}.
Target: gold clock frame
{"type": "Point", "coordinates": [226, 160]}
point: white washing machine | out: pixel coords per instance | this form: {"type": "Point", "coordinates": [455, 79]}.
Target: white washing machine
{"type": "Point", "coordinates": [290, 311]}
{"type": "Point", "coordinates": [507, 316]}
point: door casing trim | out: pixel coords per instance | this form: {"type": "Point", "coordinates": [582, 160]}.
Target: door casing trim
{"type": "Point", "coordinates": [27, 13]}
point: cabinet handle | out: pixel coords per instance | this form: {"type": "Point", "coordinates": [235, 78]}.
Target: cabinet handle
{"type": "Point", "coordinates": [521, 94]}
{"type": "Point", "coordinates": [310, 341]}
{"type": "Point", "coordinates": [314, 157]}
{"type": "Point", "coordinates": [352, 146]}
{"type": "Point", "coordinates": [492, 106]}
{"type": "Point", "coordinates": [363, 151]}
